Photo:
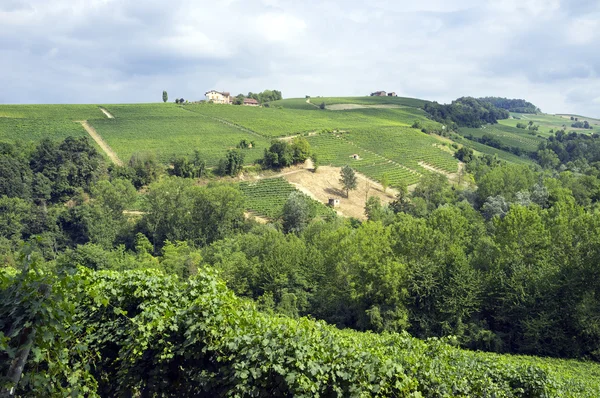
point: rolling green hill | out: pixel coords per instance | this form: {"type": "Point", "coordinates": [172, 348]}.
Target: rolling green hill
{"type": "Point", "coordinates": [551, 122]}
{"type": "Point", "coordinates": [377, 129]}
{"type": "Point", "coordinates": [507, 135]}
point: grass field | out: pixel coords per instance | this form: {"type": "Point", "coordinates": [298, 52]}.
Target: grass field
{"type": "Point", "coordinates": [137, 111]}
{"type": "Point", "coordinates": [272, 122]}
{"type": "Point", "coordinates": [507, 135]}
{"type": "Point", "coordinates": [488, 150]}
{"type": "Point", "coordinates": [406, 146]}
{"type": "Point", "coordinates": [295, 103]}
{"type": "Point", "coordinates": [46, 112]}
{"type": "Point", "coordinates": [382, 137]}
{"type": "Point", "coordinates": [551, 122]}
{"type": "Point", "coordinates": [167, 136]}
{"type": "Point", "coordinates": [368, 100]}
{"type": "Point", "coordinates": [12, 130]}
{"type": "Point", "coordinates": [267, 197]}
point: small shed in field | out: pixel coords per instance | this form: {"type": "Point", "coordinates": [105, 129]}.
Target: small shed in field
{"type": "Point", "coordinates": [334, 202]}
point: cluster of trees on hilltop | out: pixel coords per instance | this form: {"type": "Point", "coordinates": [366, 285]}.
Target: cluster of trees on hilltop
{"type": "Point", "coordinates": [262, 98]}
{"type": "Point", "coordinates": [511, 105]}
{"type": "Point", "coordinates": [578, 124]}
{"type": "Point", "coordinates": [465, 112]}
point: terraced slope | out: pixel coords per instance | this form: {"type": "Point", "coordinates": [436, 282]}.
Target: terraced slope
{"type": "Point", "coordinates": [551, 122]}
{"type": "Point", "coordinates": [267, 197]}
{"type": "Point", "coordinates": [507, 135]}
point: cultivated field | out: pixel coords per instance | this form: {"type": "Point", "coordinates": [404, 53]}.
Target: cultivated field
{"type": "Point", "coordinates": [273, 122]}
{"type": "Point", "coordinates": [551, 122]}
{"type": "Point", "coordinates": [368, 100]}
{"type": "Point", "coordinates": [168, 136]}
{"type": "Point", "coordinates": [378, 132]}
{"type": "Point", "coordinates": [507, 135]}
{"type": "Point", "coordinates": [267, 197]}
{"type": "Point", "coordinates": [60, 112]}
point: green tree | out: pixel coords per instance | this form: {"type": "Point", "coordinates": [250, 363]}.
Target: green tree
{"type": "Point", "coordinates": [464, 154]}
{"type": "Point", "coordinates": [433, 188]}
{"type": "Point", "coordinates": [280, 154]}
{"type": "Point", "coordinates": [301, 149]}
{"type": "Point", "coordinates": [375, 211]}
{"type": "Point", "coordinates": [385, 181]}
{"type": "Point", "coordinates": [232, 164]}
{"type": "Point", "coordinates": [348, 179]}
{"type": "Point", "coordinates": [146, 168]}
{"type": "Point", "coordinates": [297, 213]}
{"type": "Point", "coordinates": [165, 96]}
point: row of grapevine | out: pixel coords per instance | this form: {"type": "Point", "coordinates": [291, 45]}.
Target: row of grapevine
{"type": "Point", "coordinates": [267, 197]}
{"type": "Point", "coordinates": [507, 135]}
{"type": "Point", "coordinates": [167, 136]}
{"type": "Point", "coordinates": [406, 146]}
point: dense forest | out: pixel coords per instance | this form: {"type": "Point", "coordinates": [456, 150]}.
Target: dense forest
{"type": "Point", "coordinates": [465, 112]}
{"type": "Point", "coordinates": [142, 301]}
{"type": "Point", "coordinates": [511, 105]}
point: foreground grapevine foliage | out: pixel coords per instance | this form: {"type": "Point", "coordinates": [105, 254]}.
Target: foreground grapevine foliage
{"type": "Point", "coordinates": [141, 333]}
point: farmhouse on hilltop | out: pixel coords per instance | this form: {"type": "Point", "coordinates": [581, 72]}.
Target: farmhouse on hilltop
{"type": "Point", "coordinates": [218, 97]}
{"type": "Point", "coordinates": [383, 94]}
{"type": "Point", "coordinates": [250, 102]}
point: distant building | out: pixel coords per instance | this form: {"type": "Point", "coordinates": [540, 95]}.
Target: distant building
{"type": "Point", "coordinates": [392, 94]}
{"type": "Point", "coordinates": [333, 202]}
{"type": "Point", "coordinates": [378, 94]}
{"type": "Point", "coordinates": [250, 102]}
{"type": "Point", "coordinates": [218, 97]}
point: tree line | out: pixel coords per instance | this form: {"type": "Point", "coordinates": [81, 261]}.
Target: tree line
{"type": "Point", "coordinates": [512, 105]}
{"type": "Point", "coordinates": [465, 112]}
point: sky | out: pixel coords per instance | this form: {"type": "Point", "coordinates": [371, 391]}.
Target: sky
{"type": "Point", "coordinates": [122, 51]}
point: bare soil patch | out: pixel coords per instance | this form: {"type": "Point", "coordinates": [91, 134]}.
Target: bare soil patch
{"type": "Point", "coordinates": [259, 219]}
{"type": "Point", "coordinates": [324, 184]}
{"type": "Point", "coordinates": [107, 113]}
{"type": "Point", "coordinates": [105, 147]}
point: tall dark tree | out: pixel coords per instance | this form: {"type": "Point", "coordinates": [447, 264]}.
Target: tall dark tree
{"type": "Point", "coordinates": [348, 179]}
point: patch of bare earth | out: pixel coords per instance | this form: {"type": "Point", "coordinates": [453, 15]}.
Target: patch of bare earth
{"type": "Point", "coordinates": [107, 113]}
{"type": "Point", "coordinates": [324, 184]}
{"type": "Point", "coordinates": [101, 143]}
{"type": "Point", "coordinates": [253, 216]}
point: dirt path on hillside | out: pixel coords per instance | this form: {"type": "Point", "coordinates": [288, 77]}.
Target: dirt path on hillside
{"type": "Point", "coordinates": [259, 219]}
{"type": "Point", "coordinates": [107, 113]}
{"type": "Point", "coordinates": [105, 147]}
{"type": "Point", "coordinates": [308, 102]}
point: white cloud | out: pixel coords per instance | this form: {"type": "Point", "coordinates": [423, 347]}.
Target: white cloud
{"type": "Point", "coordinates": [125, 51]}
{"type": "Point", "coordinates": [279, 27]}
